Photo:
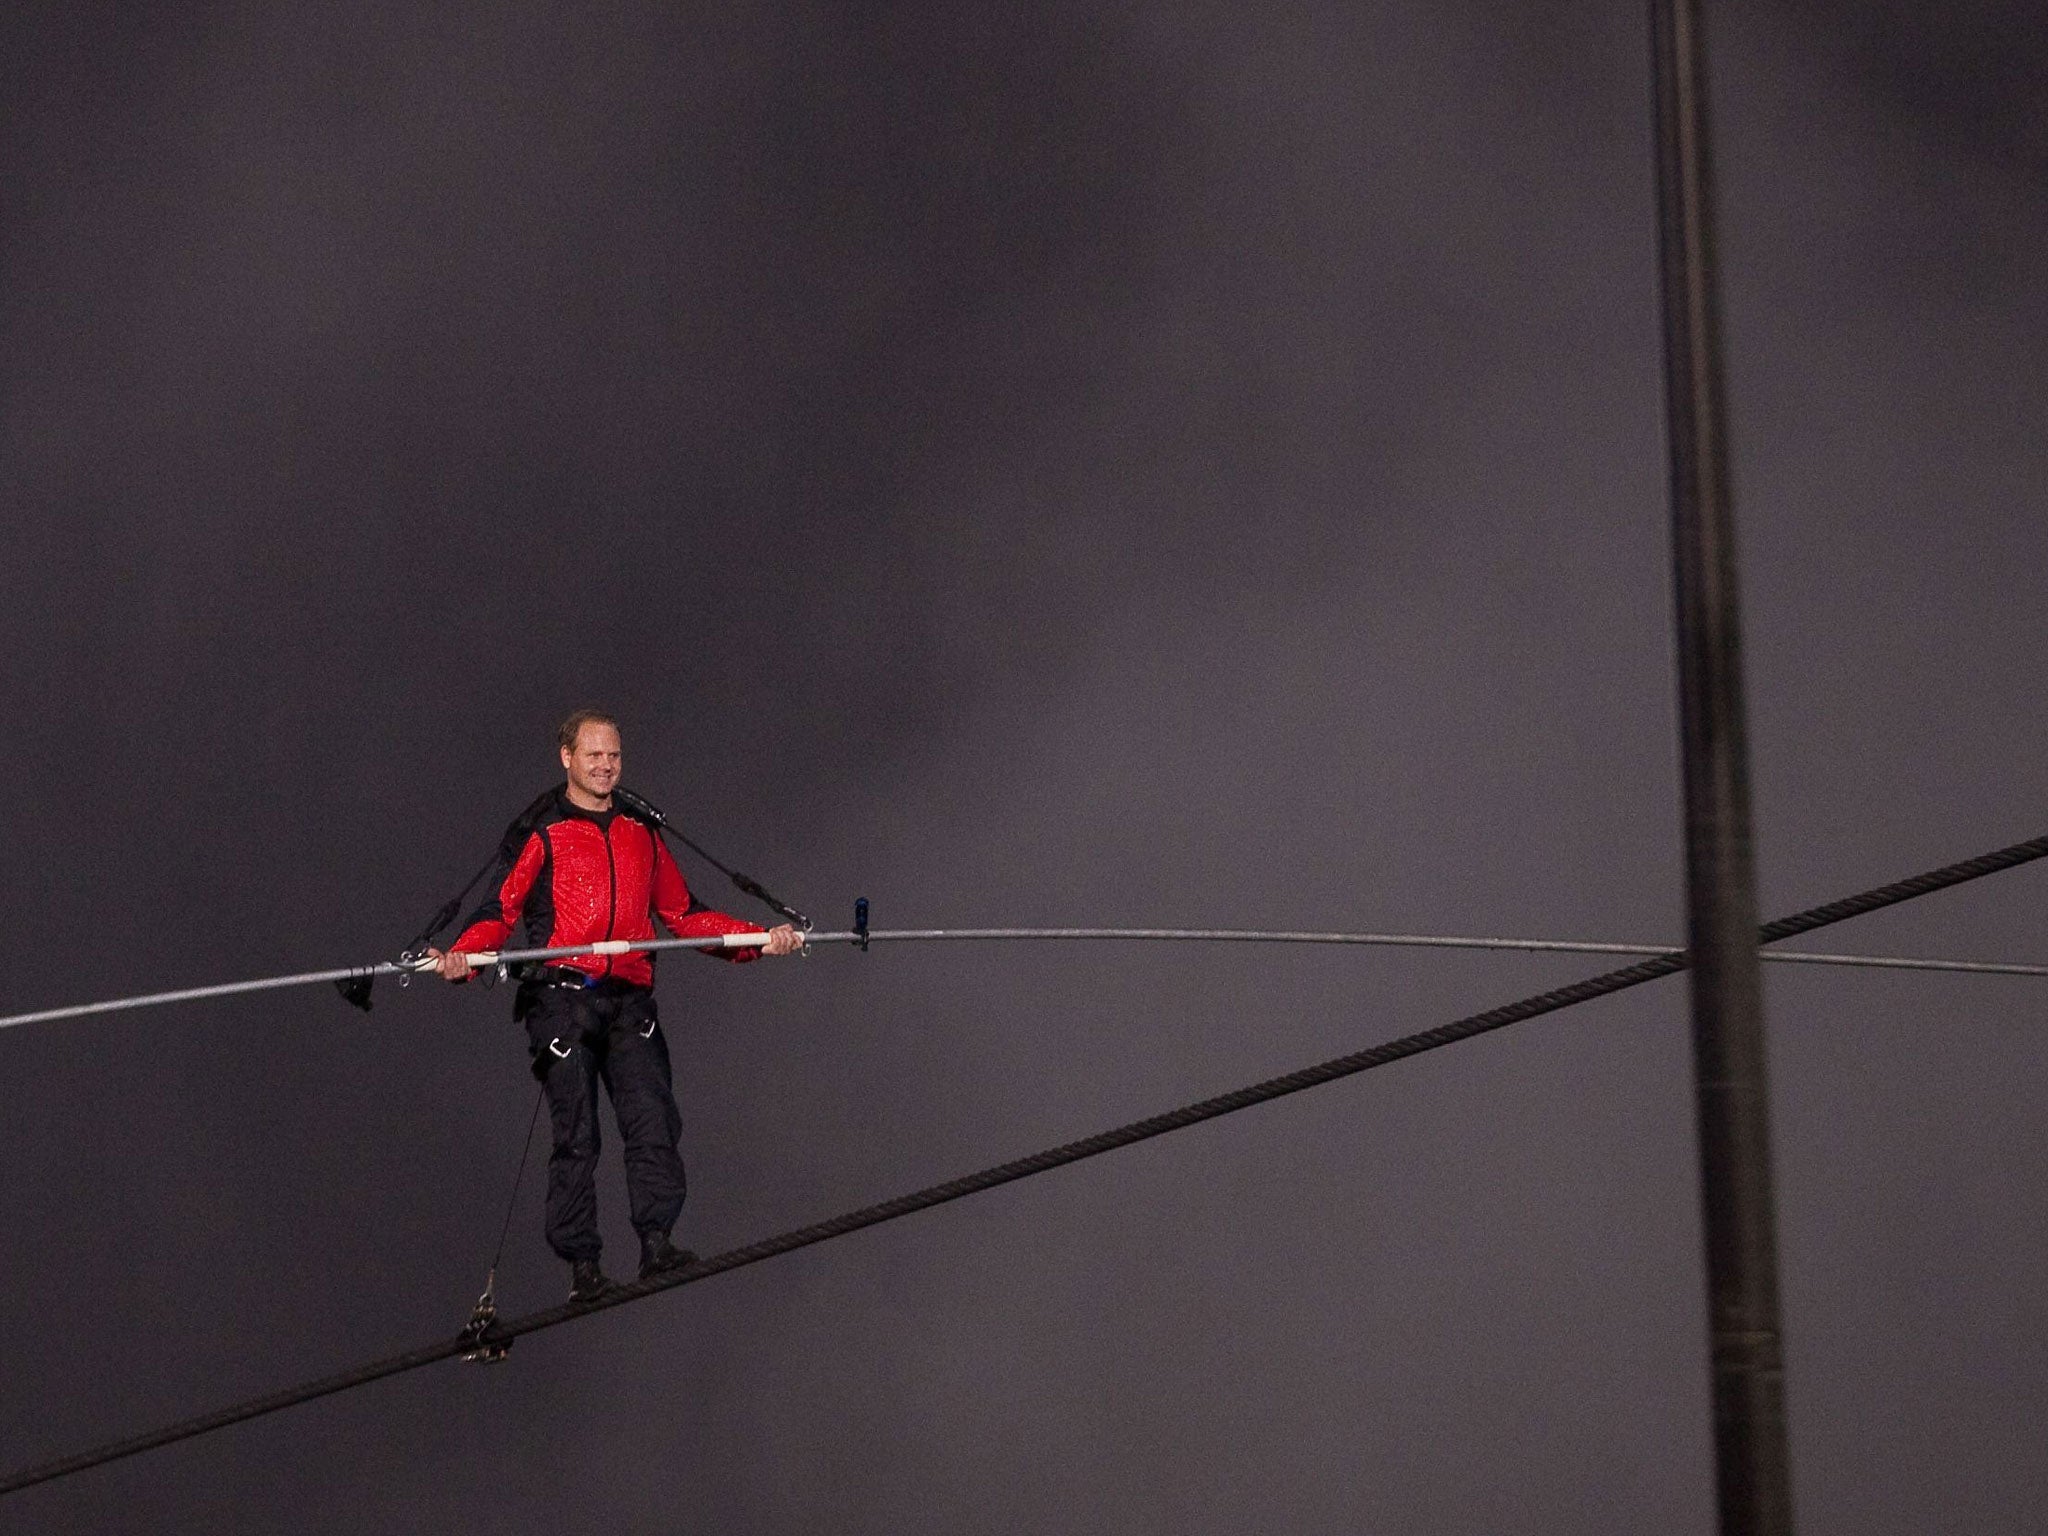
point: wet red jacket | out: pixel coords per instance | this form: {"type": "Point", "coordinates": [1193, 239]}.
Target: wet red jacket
{"type": "Point", "coordinates": [585, 876]}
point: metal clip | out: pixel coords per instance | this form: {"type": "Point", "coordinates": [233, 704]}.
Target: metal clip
{"type": "Point", "coordinates": [860, 923]}
{"type": "Point", "coordinates": [409, 965]}
{"type": "Point", "coordinates": [484, 1347]}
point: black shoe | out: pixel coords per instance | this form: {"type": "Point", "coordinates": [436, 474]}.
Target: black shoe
{"type": "Point", "coordinates": [658, 1256]}
{"type": "Point", "coordinates": [586, 1281]}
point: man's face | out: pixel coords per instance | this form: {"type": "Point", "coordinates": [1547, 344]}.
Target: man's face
{"type": "Point", "coordinates": [593, 763]}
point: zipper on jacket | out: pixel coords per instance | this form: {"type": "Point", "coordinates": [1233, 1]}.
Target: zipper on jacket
{"type": "Point", "coordinates": [611, 865]}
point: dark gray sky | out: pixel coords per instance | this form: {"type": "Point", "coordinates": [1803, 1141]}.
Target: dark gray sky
{"type": "Point", "coordinates": [1031, 463]}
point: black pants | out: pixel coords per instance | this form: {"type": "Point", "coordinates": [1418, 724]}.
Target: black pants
{"type": "Point", "coordinates": [578, 1036]}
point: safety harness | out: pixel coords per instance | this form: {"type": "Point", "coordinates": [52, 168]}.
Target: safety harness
{"type": "Point", "coordinates": [356, 989]}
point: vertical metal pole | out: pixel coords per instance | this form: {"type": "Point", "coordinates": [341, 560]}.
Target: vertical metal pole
{"type": "Point", "coordinates": [1753, 1473]}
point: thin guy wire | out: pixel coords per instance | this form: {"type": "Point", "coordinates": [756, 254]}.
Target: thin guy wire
{"type": "Point", "coordinates": [519, 1178]}
{"type": "Point", "coordinates": [1027, 1167]}
{"type": "Point", "coordinates": [930, 935]}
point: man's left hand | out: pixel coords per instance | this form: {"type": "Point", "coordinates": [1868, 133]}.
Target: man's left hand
{"type": "Point", "coordinates": [783, 940]}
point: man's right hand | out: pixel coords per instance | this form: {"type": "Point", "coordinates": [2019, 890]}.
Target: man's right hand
{"type": "Point", "coordinates": [453, 965]}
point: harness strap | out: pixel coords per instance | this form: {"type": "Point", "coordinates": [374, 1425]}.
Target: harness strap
{"type": "Point", "coordinates": [644, 810]}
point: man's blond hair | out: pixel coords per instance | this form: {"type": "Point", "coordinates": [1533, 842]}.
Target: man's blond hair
{"type": "Point", "coordinates": [571, 728]}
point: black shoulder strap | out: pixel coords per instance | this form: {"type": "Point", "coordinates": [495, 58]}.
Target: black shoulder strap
{"type": "Point", "coordinates": [645, 811]}
{"type": "Point", "coordinates": [508, 851]}
{"type": "Point", "coordinates": [356, 989]}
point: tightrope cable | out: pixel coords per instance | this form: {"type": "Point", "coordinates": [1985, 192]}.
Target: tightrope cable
{"type": "Point", "coordinates": [503, 1333]}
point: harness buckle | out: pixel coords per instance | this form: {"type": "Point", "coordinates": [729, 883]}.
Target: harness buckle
{"type": "Point", "coordinates": [486, 1347]}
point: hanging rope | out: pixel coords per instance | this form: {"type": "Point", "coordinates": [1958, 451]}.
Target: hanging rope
{"type": "Point", "coordinates": [485, 1314]}
{"type": "Point", "coordinates": [502, 1335]}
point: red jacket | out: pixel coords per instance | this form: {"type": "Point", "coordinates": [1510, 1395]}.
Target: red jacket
{"type": "Point", "coordinates": [585, 876]}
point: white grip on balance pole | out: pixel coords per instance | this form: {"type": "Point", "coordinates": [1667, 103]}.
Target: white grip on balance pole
{"type": "Point", "coordinates": [742, 940]}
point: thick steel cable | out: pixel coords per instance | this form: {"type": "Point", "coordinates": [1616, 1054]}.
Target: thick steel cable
{"type": "Point", "coordinates": [930, 935]}
{"type": "Point", "coordinates": [1025, 1167]}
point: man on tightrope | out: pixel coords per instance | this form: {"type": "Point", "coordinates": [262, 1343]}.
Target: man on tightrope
{"type": "Point", "coordinates": [590, 872]}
